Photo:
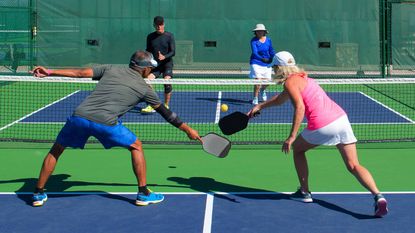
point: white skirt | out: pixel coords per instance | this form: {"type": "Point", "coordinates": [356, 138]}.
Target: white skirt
{"type": "Point", "coordinates": [337, 132]}
{"type": "Point", "coordinates": [262, 72]}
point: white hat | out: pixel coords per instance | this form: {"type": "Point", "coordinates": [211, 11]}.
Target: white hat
{"type": "Point", "coordinates": [146, 61]}
{"type": "Point", "coordinates": [260, 27]}
{"type": "Point", "coordinates": [282, 58]}
{"type": "Point", "coordinates": [153, 62]}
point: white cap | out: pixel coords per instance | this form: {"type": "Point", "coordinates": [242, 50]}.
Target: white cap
{"type": "Point", "coordinates": [282, 58]}
{"type": "Point", "coordinates": [260, 27]}
{"type": "Point", "coordinates": [148, 61]}
{"type": "Point", "coordinates": [153, 62]}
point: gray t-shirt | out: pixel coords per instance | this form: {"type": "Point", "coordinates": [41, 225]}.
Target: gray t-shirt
{"type": "Point", "coordinates": [119, 89]}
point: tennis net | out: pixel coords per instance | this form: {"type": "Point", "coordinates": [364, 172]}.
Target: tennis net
{"type": "Point", "coordinates": [34, 110]}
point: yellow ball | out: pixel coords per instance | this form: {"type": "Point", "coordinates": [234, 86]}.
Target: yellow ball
{"type": "Point", "coordinates": [224, 107]}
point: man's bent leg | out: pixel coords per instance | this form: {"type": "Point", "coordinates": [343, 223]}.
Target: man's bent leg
{"type": "Point", "coordinates": [144, 196]}
{"type": "Point", "coordinates": [49, 164]}
{"type": "Point", "coordinates": [138, 162]}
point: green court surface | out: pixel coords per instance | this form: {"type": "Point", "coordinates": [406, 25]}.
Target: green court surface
{"type": "Point", "coordinates": [190, 169]}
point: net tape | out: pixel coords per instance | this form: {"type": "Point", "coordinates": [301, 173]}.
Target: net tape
{"type": "Point", "coordinates": [214, 81]}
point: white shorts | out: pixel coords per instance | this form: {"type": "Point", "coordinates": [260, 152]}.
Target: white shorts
{"type": "Point", "coordinates": [337, 132]}
{"type": "Point", "coordinates": [261, 72]}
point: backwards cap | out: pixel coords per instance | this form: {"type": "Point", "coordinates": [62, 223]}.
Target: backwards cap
{"type": "Point", "coordinates": [143, 59]}
{"type": "Point", "coordinates": [282, 58]}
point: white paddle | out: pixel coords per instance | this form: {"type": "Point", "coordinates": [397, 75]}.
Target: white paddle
{"type": "Point", "coordinates": [216, 145]}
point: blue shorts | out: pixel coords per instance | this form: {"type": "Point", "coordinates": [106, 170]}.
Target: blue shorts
{"type": "Point", "coordinates": [77, 130]}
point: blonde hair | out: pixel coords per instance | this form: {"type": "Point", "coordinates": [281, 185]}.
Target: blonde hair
{"type": "Point", "coordinates": [283, 72]}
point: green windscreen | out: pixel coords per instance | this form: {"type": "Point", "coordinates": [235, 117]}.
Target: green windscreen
{"type": "Point", "coordinates": [332, 38]}
{"type": "Point", "coordinates": [15, 36]}
{"type": "Point", "coordinates": [325, 35]}
{"type": "Point", "coordinates": [403, 32]}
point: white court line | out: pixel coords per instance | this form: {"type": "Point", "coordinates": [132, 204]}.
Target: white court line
{"type": "Point", "coordinates": [387, 107]}
{"type": "Point", "coordinates": [273, 193]}
{"type": "Point", "coordinates": [102, 192]}
{"type": "Point", "coordinates": [28, 115]}
{"type": "Point", "coordinates": [202, 193]}
{"type": "Point", "coordinates": [218, 107]}
{"type": "Point", "coordinates": [207, 224]}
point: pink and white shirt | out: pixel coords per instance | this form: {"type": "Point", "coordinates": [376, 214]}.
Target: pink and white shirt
{"type": "Point", "coordinates": [320, 110]}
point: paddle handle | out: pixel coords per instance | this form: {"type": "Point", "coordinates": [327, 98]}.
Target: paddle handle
{"type": "Point", "coordinates": [254, 115]}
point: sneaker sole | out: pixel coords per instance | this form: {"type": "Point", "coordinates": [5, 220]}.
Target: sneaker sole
{"type": "Point", "coordinates": [145, 203]}
{"type": "Point", "coordinates": [39, 203]}
{"type": "Point", "coordinates": [302, 199]}
{"type": "Point", "coordinates": [382, 208]}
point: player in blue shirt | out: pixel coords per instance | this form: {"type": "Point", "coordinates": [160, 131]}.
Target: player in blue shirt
{"type": "Point", "coordinates": [262, 53]}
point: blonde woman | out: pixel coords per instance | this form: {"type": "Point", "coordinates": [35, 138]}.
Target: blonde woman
{"type": "Point", "coordinates": [327, 124]}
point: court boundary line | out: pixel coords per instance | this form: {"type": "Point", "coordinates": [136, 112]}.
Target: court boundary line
{"type": "Point", "coordinates": [387, 107]}
{"type": "Point", "coordinates": [207, 222]}
{"type": "Point", "coordinates": [218, 104]}
{"type": "Point", "coordinates": [203, 193]}
{"type": "Point", "coordinates": [38, 110]}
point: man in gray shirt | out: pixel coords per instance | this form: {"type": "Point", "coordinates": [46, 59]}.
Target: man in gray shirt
{"type": "Point", "coordinates": [119, 89]}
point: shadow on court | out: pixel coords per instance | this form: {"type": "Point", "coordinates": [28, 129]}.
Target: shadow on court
{"type": "Point", "coordinates": [209, 185]}
{"type": "Point", "coordinates": [60, 183]}
{"type": "Point", "coordinates": [337, 208]}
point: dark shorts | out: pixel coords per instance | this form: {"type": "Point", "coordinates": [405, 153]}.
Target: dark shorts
{"type": "Point", "coordinates": [165, 69]}
{"type": "Point", "coordinates": [77, 130]}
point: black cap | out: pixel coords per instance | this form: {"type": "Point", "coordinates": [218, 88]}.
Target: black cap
{"type": "Point", "coordinates": [158, 20]}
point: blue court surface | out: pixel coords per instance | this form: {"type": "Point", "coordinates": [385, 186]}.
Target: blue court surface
{"type": "Point", "coordinates": [203, 107]}
{"type": "Point", "coordinates": [202, 212]}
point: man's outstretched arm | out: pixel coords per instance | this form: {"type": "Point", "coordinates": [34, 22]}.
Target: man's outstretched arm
{"type": "Point", "coordinates": [41, 72]}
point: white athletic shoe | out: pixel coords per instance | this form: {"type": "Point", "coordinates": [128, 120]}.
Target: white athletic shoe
{"type": "Point", "coordinates": [264, 96]}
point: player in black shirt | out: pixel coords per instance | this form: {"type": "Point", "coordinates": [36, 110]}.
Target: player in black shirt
{"type": "Point", "coordinates": [161, 44]}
